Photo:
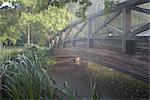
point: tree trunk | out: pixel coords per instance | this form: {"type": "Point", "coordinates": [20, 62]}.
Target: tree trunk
{"type": "Point", "coordinates": [32, 39]}
{"type": "Point", "coordinates": [28, 42]}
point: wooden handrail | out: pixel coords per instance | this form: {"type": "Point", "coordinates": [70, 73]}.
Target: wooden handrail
{"type": "Point", "coordinates": [115, 11]}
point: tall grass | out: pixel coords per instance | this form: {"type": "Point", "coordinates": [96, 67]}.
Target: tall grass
{"type": "Point", "coordinates": [7, 53]}
{"type": "Point", "coordinates": [24, 79]}
{"type": "Point", "coordinates": [42, 54]}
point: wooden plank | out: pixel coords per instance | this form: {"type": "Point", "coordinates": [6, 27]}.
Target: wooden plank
{"type": "Point", "coordinates": [128, 4]}
{"type": "Point", "coordinates": [73, 24]}
{"type": "Point", "coordinates": [118, 7]}
{"type": "Point", "coordinates": [143, 10]}
{"type": "Point", "coordinates": [90, 30]}
{"type": "Point", "coordinates": [113, 29]}
{"type": "Point", "coordinates": [126, 27]}
{"type": "Point", "coordinates": [139, 30]}
{"type": "Point", "coordinates": [143, 47]}
{"type": "Point", "coordinates": [94, 38]}
{"type": "Point", "coordinates": [73, 41]}
{"type": "Point", "coordinates": [68, 33]}
{"type": "Point", "coordinates": [80, 30]}
{"type": "Point", "coordinates": [80, 20]}
{"type": "Point", "coordinates": [107, 21]}
{"type": "Point", "coordinates": [63, 43]}
{"type": "Point", "coordinates": [142, 43]}
{"type": "Point", "coordinates": [138, 25]}
{"type": "Point", "coordinates": [101, 42]}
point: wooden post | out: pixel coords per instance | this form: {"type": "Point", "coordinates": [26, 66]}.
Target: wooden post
{"type": "Point", "coordinates": [89, 39]}
{"type": "Point", "coordinates": [63, 44]}
{"type": "Point", "coordinates": [73, 42]}
{"type": "Point", "coordinates": [126, 27]}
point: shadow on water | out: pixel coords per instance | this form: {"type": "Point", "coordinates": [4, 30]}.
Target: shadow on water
{"type": "Point", "coordinates": [117, 85]}
{"type": "Point", "coordinates": [110, 84]}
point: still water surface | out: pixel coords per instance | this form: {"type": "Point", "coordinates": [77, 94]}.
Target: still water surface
{"type": "Point", "coordinates": [114, 84]}
{"type": "Point", "coordinates": [110, 84]}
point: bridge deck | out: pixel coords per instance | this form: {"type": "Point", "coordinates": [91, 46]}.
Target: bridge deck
{"type": "Point", "coordinates": [131, 65]}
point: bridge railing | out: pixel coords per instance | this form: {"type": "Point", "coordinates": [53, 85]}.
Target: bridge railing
{"type": "Point", "coordinates": [86, 30]}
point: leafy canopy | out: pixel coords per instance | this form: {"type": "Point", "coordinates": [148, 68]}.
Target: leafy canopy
{"type": "Point", "coordinates": [42, 17]}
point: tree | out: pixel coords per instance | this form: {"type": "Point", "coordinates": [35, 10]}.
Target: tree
{"type": "Point", "coordinates": [8, 23]}
{"type": "Point", "coordinates": [36, 16]}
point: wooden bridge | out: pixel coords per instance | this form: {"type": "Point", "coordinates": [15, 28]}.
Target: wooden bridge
{"type": "Point", "coordinates": [121, 49]}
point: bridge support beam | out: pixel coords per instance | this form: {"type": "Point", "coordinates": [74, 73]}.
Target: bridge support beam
{"type": "Point", "coordinates": [73, 43]}
{"type": "Point", "coordinates": [130, 48]}
{"type": "Point", "coordinates": [91, 43]}
{"type": "Point", "coordinates": [89, 39]}
{"type": "Point", "coordinates": [63, 44]}
{"type": "Point", "coordinates": [126, 28]}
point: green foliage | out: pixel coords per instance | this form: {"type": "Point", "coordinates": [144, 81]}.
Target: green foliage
{"type": "Point", "coordinates": [41, 5]}
{"type": "Point", "coordinates": [50, 21]}
{"type": "Point", "coordinates": [109, 4]}
{"type": "Point", "coordinates": [33, 17]}
{"type": "Point", "coordinates": [27, 3]}
{"type": "Point", "coordinates": [55, 19]}
{"type": "Point", "coordinates": [8, 25]}
{"type": "Point", "coordinates": [84, 4]}
{"type": "Point", "coordinates": [42, 54]}
{"type": "Point", "coordinates": [94, 94]}
{"type": "Point", "coordinates": [81, 11]}
{"type": "Point", "coordinates": [7, 53]}
{"type": "Point", "coordinates": [3, 38]}
{"type": "Point", "coordinates": [26, 79]}
{"type": "Point", "coordinates": [12, 37]}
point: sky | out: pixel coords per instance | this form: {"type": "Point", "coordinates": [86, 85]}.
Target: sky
{"type": "Point", "coordinates": [7, 4]}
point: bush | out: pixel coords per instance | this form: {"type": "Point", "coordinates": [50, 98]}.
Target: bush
{"type": "Point", "coordinates": [42, 54]}
{"type": "Point", "coordinates": [7, 53]}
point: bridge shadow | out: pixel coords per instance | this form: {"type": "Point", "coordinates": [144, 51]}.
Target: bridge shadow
{"type": "Point", "coordinates": [129, 64]}
{"type": "Point", "coordinates": [80, 76]}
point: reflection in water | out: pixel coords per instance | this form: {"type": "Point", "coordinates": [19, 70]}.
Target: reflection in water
{"type": "Point", "coordinates": [114, 84]}
{"type": "Point", "coordinates": [110, 84]}
{"type": "Point", "coordinates": [77, 61]}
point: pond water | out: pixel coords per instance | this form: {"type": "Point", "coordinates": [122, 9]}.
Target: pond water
{"type": "Point", "coordinates": [114, 84]}
{"type": "Point", "coordinates": [110, 84]}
